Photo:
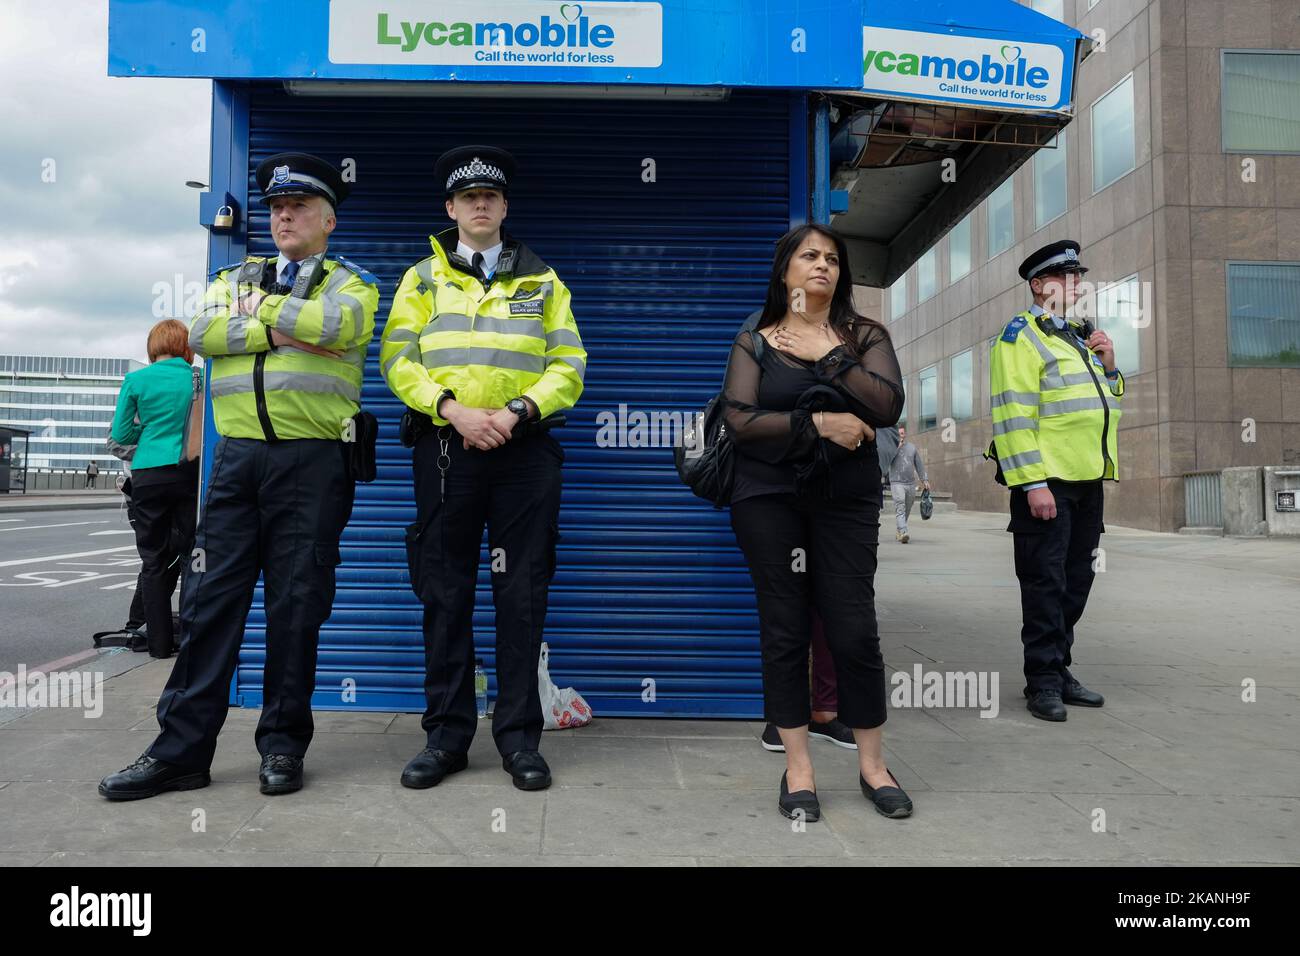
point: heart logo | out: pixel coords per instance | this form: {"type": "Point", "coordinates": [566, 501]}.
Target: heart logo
{"type": "Point", "coordinates": [1013, 56]}
{"type": "Point", "coordinates": [570, 11]}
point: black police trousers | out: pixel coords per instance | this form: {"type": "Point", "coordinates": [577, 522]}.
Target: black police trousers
{"type": "Point", "coordinates": [804, 553]}
{"type": "Point", "coordinates": [515, 490]}
{"type": "Point", "coordinates": [279, 508]}
{"type": "Point", "coordinates": [1054, 562]}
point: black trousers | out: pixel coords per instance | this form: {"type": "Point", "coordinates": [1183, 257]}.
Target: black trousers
{"type": "Point", "coordinates": [1054, 562]}
{"type": "Point", "coordinates": [278, 508]}
{"type": "Point", "coordinates": [164, 534]}
{"type": "Point", "coordinates": [803, 553]}
{"type": "Point", "coordinates": [515, 491]}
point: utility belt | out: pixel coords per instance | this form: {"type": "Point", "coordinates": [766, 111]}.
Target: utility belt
{"type": "Point", "coordinates": [415, 425]}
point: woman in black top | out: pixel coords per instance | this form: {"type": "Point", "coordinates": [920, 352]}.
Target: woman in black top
{"type": "Point", "coordinates": [803, 395]}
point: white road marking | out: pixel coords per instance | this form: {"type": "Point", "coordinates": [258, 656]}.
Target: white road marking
{"type": "Point", "coordinates": [37, 527]}
{"type": "Point", "coordinates": [60, 557]}
{"type": "Point", "coordinates": [114, 531]}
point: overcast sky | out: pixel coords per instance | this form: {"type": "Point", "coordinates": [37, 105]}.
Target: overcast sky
{"type": "Point", "coordinates": [80, 256]}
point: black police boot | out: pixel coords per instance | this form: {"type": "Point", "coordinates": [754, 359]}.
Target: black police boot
{"type": "Point", "coordinates": [1075, 693]}
{"type": "Point", "coordinates": [280, 773]}
{"type": "Point", "coordinates": [148, 777]}
{"type": "Point", "coordinates": [528, 770]}
{"type": "Point", "coordinates": [429, 767]}
{"type": "Point", "coordinates": [1046, 705]}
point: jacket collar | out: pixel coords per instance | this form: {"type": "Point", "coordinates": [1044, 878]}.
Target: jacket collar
{"type": "Point", "coordinates": [516, 261]}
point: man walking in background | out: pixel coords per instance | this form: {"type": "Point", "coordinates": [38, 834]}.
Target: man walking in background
{"type": "Point", "coordinates": [903, 472]}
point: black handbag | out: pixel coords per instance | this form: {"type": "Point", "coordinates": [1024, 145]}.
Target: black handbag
{"type": "Point", "coordinates": [707, 463]}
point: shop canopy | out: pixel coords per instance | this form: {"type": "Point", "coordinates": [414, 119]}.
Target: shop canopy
{"type": "Point", "coordinates": [921, 107]}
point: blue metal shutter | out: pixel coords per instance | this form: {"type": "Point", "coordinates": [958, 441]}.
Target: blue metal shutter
{"type": "Point", "coordinates": [650, 585]}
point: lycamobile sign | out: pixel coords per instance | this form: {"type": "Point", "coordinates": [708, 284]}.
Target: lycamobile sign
{"type": "Point", "coordinates": [496, 32]}
{"type": "Point", "coordinates": [962, 69]}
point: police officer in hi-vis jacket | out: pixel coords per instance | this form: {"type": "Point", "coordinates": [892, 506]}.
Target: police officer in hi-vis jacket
{"type": "Point", "coordinates": [1055, 394]}
{"type": "Point", "coordinates": [482, 347]}
{"type": "Point", "coordinates": [287, 337]}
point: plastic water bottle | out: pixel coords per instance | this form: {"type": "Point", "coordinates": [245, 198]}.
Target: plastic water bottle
{"type": "Point", "coordinates": [480, 687]}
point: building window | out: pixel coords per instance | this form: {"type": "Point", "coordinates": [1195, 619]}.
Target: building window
{"type": "Point", "coordinates": [1050, 181]}
{"type": "Point", "coordinates": [959, 258]}
{"type": "Point", "coordinates": [898, 297]}
{"type": "Point", "coordinates": [1119, 315]}
{"type": "Point", "coordinates": [961, 384]}
{"type": "Point", "coordinates": [1052, 8]}
{"type": "Point", "coordinates": [927, 278]}
{"type": "Point", "coordinates": [1264, 313]}
{"type": "Point", "coordinates": [929, 397]}
{"type": "Point", "coordinates": [1114, 144]}
{"type": "Point", "coordinates": [1002, 222]}
{"type": "Point", "coordinates": [1261, 102]}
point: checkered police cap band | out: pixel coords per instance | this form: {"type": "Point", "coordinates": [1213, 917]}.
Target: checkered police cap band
{"type": "Point", "coordinates": [475, 169]}
{"type": "Point", "coordinates": [283, 176]}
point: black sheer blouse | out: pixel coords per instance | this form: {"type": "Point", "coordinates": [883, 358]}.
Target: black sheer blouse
{"type": "Point", "coordinates": [773, 436]}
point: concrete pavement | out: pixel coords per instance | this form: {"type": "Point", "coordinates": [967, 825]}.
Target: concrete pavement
{"type": "Point", "coordinates": [1176, 768]}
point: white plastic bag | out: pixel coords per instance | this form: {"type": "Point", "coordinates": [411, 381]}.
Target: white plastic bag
{"type": "Point", "coordinates": [561, 709]}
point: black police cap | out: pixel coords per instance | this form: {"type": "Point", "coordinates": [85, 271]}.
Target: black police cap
{"type": "Point", "coordinates": [1059, 257]}
{"type": "Point", "coordinates": [300, 174]}
{"type": "Point", "coordinates": [466, 167]}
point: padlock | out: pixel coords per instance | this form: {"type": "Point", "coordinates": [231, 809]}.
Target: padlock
{"type": "Point", "coordinates": [224, 219]}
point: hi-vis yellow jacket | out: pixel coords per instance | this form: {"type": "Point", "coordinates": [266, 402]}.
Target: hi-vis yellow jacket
{"type": "Point", "coordinates": [515, 338]}
{"type": "Point", "coordinates": [1054, 414]}
{"type": "Point", "coordinates": [269, 393]}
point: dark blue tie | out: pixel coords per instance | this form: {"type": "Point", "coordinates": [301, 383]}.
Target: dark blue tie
{"type": "Point", "coordinates": [290, 273]}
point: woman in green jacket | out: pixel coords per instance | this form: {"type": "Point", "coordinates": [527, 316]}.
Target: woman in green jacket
{"type": "Point", "coordinates": [152, 408]}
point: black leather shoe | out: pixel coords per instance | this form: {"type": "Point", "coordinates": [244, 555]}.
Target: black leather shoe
{"type": "Point", "coordinates": [280, 773]}
{"type": "Point", "coordinates": [528, 770]}
{"type": "Point", "coordinates": [429, 767]}
{"type": "Point", "coordinates": [148, 777]}
{"type": "Point", "coordinates": [1076, 693]}
{"type": "Point", "coordinates": [891, 802]}
{"type": "Point", "coordinates": [805, 800]}
{"type": "Point", "coordinates": [1046, 705]}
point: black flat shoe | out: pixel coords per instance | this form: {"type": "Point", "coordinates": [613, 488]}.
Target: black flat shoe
{"type": "Point", "coordinates": [889, 801]}
{"type": "Point", "coordinates": [800, 800]}
{"type": "Point", "coordinates": [280, 773]}
{"type": "Point", "coordinates": [837, 733]}
{"type": "Point", "coordinates": [527, 769]}
{"type": "Point", "coordinates": [429, 767]}
{"type": "Point", "coordinates": [1046, 705]}
{"type": "Point", "coordinates": [1075, 693]}
{"type": "Point", "coordinates": [771, 739]}
{"type": "Point", "coordinates": [148, 777]}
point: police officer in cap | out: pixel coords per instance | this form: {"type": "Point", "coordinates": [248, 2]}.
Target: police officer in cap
{"type": "Point", "coordinates": [482, 347]}
{"type": "Point", "coordinates": [1055, 394]}
{"type": "Point", "coordinates": [287, 337]}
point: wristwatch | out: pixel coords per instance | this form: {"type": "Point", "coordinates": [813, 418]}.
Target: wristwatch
{"type": "Point", "coordinates": [520, 408]}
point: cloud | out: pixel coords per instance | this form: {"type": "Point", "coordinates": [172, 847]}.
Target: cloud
{"type": "Point", "coordinates": [80, 256]}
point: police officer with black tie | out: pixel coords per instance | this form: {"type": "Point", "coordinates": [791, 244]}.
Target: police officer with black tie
{"type": "Point", "coordinates": [482, 348]}
{"type": "Point", "coordinates": [1056, 394]}
{"type": "Point", "coordinates": [287, 337]}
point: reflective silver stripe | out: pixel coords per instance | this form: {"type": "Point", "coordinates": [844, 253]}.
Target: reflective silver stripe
{"type": "Point", "coordinates": [1012, 462]}
{"type": "Point", "coordinates": [202, 321]}
{"type": "Point", "coordinates": [1051, 366]}
{"type": "Point", "coordinates": [410, 352]}
{"type": "Point", "coordinates": [424, 270]}
{"type": "Point", "coordinates": [401, 335]}
{"type": "Point", "coordinates": [288, 381]}
{"type": "Point", "coordinates": [1074, 378]}
{"type": "Point", "coordinates": [448, 322]}
{"type": "Point", "coordinates": [1071, 405]}
{"type": "Point", "coordinates": [572, 361]}
{"type": "Point", "coordinates": [493, 358]}
{"type": "Point", "coordinates": [1013, 425]}
{"type": "Point", "coordinates": [331, 311]}
{"type": "Point", "coordinates": [1011, 397]}
{"type": "Point", "coordinates": [356, 358]}
{"type": "Point", "coordinates": [490, 323]}
{"type": "Point", "coordinates": [237, 333]}
{"type": "Point", "coordinates": [562, 337]}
